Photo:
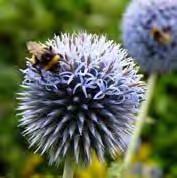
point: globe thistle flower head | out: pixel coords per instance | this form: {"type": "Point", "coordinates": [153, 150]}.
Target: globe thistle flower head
{"type": "Point", "coordinates": [87, 104]}
{"type": "Point", "coordinates": [150, 34]}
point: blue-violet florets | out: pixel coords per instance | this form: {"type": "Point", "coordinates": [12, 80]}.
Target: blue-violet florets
{"type": "Point", "coordinates": [87, 104]}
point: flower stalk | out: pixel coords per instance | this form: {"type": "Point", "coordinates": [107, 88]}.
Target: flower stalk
{"type": "Point", "coordinates": [68, 169]}
{"type": "Point", "coordinates": [139, 125]}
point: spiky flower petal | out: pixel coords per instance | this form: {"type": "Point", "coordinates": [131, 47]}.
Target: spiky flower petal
{"type": "Point", "coordinates": [150, 34]}
{"type": "Point", "coordinates": [88, 104]}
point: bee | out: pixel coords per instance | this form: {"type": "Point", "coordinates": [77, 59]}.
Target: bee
{"type": "Point", "coordinates": [160, 36]}
{"type": "Point", "coordinates": [42, 56]}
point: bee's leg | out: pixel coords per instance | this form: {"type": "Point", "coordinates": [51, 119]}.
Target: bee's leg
{"type": "Point", "coordinates": [40, 73]}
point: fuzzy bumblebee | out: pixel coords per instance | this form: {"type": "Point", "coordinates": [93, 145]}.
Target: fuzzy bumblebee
{"type": "Point", "coordinates": [88, 105]}
{"type": "Point", "coordinates": [42, 56]}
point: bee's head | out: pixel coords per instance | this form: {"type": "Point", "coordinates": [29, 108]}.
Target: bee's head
{"type": "Point", "coordinates": [51, 49]}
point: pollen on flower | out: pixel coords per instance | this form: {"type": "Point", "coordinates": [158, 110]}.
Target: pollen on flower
{"type": "Point", "coordinates": [86, 105]}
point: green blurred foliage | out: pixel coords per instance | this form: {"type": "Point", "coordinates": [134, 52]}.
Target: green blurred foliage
{"type": "Point", "coordinates": [21, 21]}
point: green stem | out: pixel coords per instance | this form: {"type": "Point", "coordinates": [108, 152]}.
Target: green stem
{"type": "Point", "coordinates": [139, 125]}
{"type": "Point", "coordinates": [68, 169]}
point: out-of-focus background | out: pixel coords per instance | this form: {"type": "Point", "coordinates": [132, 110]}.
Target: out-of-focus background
{"type": "Point", "coordinates": [21, 21]}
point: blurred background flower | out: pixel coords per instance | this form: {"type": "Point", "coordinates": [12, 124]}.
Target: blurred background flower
{"type": "Point", "coordinates": [22, 21]}
{"type": "Point", "coordinates": [150, 34]}
{"type": "Point", "coordinates": [95, 170]}
{"type": "Point", "coordinates": [143, 165]}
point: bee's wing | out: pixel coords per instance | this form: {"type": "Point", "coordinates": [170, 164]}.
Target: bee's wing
{"type": "Point", "coordinates": [35, 48]}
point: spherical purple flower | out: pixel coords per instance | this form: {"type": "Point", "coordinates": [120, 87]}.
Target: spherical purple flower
{"type": "Point", "coordinates": [87, 104]}
{"type": "Point", "coordinates": [150, 34]}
